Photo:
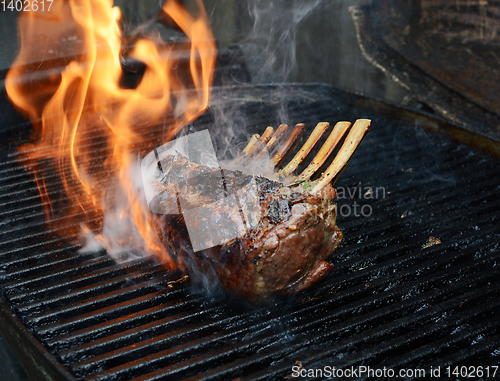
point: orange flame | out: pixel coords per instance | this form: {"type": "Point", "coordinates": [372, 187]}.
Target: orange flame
{"type": "Point", "coordinates": [85, 119]}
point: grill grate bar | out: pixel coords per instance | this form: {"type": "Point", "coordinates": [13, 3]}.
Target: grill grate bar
{"type": "Point", "coordinates": [434, 195]}
{"type": "Point", "coordinates": [51, 243]}
{"type": "Point", "coordinates": [434, 350]}
{"type": "Point", "coordinates": [72, 309]}
{"type": "Point", "coordinates": [390, 301]}
{"type": "Point", "coordinates": [378, 252]}
{"type": "Point", "coordinates": [430, 331]}
{"type": "Point", "coordinates": [386, 203]}
{"type": "Point", "coordinates": [53, 189]}
{"type": "Point", "coordinates": [20, 262]}
{"type": "Point", "coordinates": [43, 238]}
{"type": "Point", "coordinates": [395, 348]}
{"type": "Point", "coordinates": [40, 221]}
{"type": "Point", "coordinates": [466, 356]}
{"type": "Point", "coordinates": [248, 351]}
{"type": "Point", "coordinates": [41, 281]}
{"type": "Point", "coordinates": [74, 259]}
{"type": "Point", "coordinates": [402, 262]}
{"type": "Point", "coordinates": [381, 331]}
{"type": "Point", "coordinates": [408, 159]}
{"type": "Point", "coordinates": [172, 339]}
{"type": "Point", "coordinates": [407, 265]}
{"type": "Point", "coordinates": [143, 325]}
{"type": "Point", "coordinates": [432, 210]}
{"type": "Point", "coordinates": [431, 278]}
{"type": "Point", "coordinates": [109, 276]}
{"type": "Point", "coordinates": [444, 220]}
{"type": "Point", "coordinates": [436, 190]}
{"type": "Point", "coordinates": [92, 313]}
{"type": "Point", "coordinates": [91, 140]}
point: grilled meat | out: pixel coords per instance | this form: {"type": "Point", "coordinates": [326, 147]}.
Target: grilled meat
{"type": "Point", "coordinates": [277, 245]}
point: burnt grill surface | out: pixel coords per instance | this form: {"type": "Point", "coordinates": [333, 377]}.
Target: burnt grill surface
{"type": "Point", "coordinates": [392, 302]}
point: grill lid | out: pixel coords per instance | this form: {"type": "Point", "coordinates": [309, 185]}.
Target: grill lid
{"type": "Point", "coordinates": [437, 50]}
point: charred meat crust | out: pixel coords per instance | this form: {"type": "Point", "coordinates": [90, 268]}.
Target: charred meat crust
{"type": "Point", "coordinates": [283, 254]}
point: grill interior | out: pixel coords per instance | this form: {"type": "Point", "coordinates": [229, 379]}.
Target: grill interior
{"type": "Point", "coordinates": [393, 301]}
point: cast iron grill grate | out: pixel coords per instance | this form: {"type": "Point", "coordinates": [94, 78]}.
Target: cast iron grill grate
{"type": "Point", "coordinates": [392, 302]}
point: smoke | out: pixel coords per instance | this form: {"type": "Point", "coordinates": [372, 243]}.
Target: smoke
{"type": "Point", "coordinates": [121, 235]}
{"type": "Point", "coordinates": [434, 167]}
{"type": "Point", "coordinates": [229, 129]}
{"type": "Point", "coordinates": [267, 35]}
{"type": "Point", "coordinates": [274, 32]}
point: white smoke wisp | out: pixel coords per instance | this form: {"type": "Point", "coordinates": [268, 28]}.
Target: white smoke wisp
{"type": "Point", "coordinates": [260, 165]}
{"type": "Point", "coordinates": [120, 235]}
{"type": "Point", "coordinates": [274, 30]}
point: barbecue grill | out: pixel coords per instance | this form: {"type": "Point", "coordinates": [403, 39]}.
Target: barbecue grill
{"type": "Point", "coordinates": [416, 281]}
